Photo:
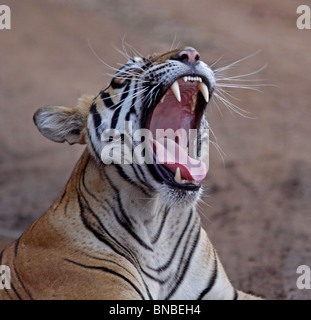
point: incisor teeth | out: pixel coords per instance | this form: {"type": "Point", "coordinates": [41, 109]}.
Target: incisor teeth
{"type": "Point", "coordinates": [178, 176]}
{"type": "Point", "coordinates": [189, 78]}
{"type": "Point", "coordinates": [203, 88]}
{"type": "Point", "coordinates": [176, 91]}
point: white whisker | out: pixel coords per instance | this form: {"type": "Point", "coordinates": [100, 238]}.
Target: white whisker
{"type": "Point", "coordinates": [231, 106]}
{"type": "Point", "coordinates": [99, 59]}
{"type": "Point", "coordinates": [229, 66]}
{"type": "Point", "coordinates": [214, 102]}
{"type": "Point", "coordinates": [241, 86]}
{"type": "Point", "coordinates": [227, 93]}
{"type": "Point", "coordinates": [217, 147]}
{"type": "Point", "coordinates": [215, 62]}
{"type": "Point", "coordinates": [246, 74]}
{"type": "Point", "coordinates": [130, 79]}
{"type": "Point", "coordinates": [128, 97]}
{"type": "Point", "coordinates": [173, 43]}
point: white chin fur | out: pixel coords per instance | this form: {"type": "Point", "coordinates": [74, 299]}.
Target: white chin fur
{"type": "Point", "coordinates": [178, 197]}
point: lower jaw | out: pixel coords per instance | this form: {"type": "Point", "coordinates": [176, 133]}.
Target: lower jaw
{"type": "Point", "coordinates": [167, 177]}
{"type": "Point", "coordinates": [179, 198]}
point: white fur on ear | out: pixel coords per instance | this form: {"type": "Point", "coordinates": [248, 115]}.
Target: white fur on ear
{"type": "Point", "coordinates": [61, 124]}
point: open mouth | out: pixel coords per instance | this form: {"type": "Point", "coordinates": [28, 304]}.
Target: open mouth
{"type": "Point", "coordinates": [174, 122]}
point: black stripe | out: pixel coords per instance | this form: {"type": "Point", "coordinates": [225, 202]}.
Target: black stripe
{"type": "Point", "coordinates": [16, 246]}
{"type": "Point", "coordinates": [15, 291]}
{"type": "Point", "coordinates": [199, 143]}
{"type": "Point", "coordinates": [109, 271]}
{"type": "Point", "coordinates": [144, 180]}
{"type": "Point", "coordinates": [125, 221]}
{"type": "Point", "coordinates": [115, 118]}
{"type": "Point", "coordinates": [83, 181]}
{"type": "Point", "coordinates": [110, 261]}
{"type": "Point", "coordinates": [154, 173]}
{"type": "Point", "coordinates": [235, 296]}
{"type": "Point", "coordinates": [15, 269]}
{"type": "Point", "coordinates": [126, 218]}
{"type": "Point", "coordinates": [62, 197]}
{"type": "Point", "coordinates": [183, 233]}
{"type": "Point", "coordinates": [105, 96]}
{"type": "Point", "coordinates": [99, 235]}
{"type": "Point", "coordinates": [157, 236]}
{"type": "Point", "coordinates": [132, 109]}
{"type": "Point", "coordinates": [93, 148]}
{"type": "Point", "coordinates": [109, 103]}
{"type": "Point", "coordinates": [96, 118]}
{"type": "Point", "coordinates": [186, 265]}
{"type": "Point", "coordinates": [156, 279]}
{"type": "Point", "coordinates": [211, 280]}
{"type": "Point", "coordinates": [129, 180]}
{"type": "Point", "coordinates": [125, 93]}
{"type": "Point", "coordinates": [129, 229]}
{"type": "Point", "coordinates": [117, 85]}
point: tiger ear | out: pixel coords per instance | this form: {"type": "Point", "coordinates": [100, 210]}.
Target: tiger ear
{"type": "Point", "coordinates": [62, 124]}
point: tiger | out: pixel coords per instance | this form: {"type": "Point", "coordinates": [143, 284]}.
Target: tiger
{"type": "Point", "coordinates": [128, 230]}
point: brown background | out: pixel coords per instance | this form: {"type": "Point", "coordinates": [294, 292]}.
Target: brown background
{"type": "Point", "coordinates": [257, 200]}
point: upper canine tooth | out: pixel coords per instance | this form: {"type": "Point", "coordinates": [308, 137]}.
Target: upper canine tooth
{"type": "Point", "coordinates": [176, 91]}
{"type": "Point", "coordinates": [203, 88]}
{"type": "Point", "coordinates": [178, 175]}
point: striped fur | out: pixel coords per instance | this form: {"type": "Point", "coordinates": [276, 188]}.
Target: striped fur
{"type": "Point", "coordinates": [117, 231]}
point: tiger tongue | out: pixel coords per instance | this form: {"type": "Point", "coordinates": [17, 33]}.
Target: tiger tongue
{"type": "Point", "coordinates": [173, 156]}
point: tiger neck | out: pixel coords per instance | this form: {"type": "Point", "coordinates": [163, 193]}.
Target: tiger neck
{"type": "Point", "coordinates": [109, 203]}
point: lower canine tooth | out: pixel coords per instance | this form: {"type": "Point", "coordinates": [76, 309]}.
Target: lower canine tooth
{"type": "Point", "coordinates": [203, 88]}
{"type": "Point", "coordinates": [176, 91]}
{"type": "Point", "coordinates": [162, 100]}
{"type": "Point", "coordinates": [178, 175]}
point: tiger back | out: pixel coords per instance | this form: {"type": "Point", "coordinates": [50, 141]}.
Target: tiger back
{"type": "Point", "coordinates": [125, 225]}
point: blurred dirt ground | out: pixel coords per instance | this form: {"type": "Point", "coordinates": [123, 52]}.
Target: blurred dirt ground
{"type": "Point", "coordinates": [257, 203]}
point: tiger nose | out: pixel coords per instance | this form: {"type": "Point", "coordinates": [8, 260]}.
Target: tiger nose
{"type": "Point", "coordinates": [188, 55]}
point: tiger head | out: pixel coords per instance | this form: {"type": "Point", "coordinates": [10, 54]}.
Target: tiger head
{"type": "Point", "coordinates": [149, 123]}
